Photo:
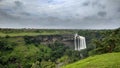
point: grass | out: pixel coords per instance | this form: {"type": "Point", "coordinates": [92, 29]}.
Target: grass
{"type": "Point", "coordinates": [110, 60]}
{"type": "Point", "coordinates": [13, 34]}
{"type": "Point", "coordinates": [24, 34]}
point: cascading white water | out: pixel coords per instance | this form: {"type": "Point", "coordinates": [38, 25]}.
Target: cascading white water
{"type": "Point", "coordinates": [75, 39]}
{"type": "Point", "coordinates": [79, 42]}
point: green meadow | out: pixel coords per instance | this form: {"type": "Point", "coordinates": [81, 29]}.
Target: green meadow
{"type": "Point", "coordinates": [110, 60]}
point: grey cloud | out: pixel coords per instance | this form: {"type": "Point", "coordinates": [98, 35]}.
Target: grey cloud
{"type": "Point", "coordinates": [94, 3]}
{"type": "Point", "coordinates": [98, 4]}
{"type": "Point", "coordinates": [5, 15]}
{"type": "Point", "coordinates": [16, 11]}
{"type": "Point", "coordinates": [101, 6]}
{"type": "Point", "coordinates": [18, 3]}
{"type": "Point", "coordinates": [25, 13]}
{"type": "Point", "coordinates": [102, 13]}
{"type": "Point", "coordinates": [86, 3]}
{"type": "Point", "coordinates": [72, 13]}
{"type": "Point", "coordinates": [118, 10]}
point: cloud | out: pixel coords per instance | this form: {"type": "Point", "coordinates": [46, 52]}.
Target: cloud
{"type": "Point", "coordinates": [60, 13]}
{"type": "Point", "coordinates": [118, 10]}
{"type": "Point", "coordinates": [86, 3]}
{"type": "Point", "coordinates": [18, 3]}
{"type": "Point", "coordinates": [102, 13]}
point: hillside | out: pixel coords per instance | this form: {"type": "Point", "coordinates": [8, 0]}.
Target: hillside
{"type": "Point", "coordinates": [110, 60]}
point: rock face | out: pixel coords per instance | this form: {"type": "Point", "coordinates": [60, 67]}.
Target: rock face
{"type": "Point", "coordinates": [67, 40]}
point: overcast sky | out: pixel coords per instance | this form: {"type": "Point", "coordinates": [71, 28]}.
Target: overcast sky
{"type": "Point", "coordinates": [60, 14]}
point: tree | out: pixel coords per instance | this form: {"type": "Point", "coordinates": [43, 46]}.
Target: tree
{"type": "Point", "coordinates": [110, 42]}
{"type": "Point", "coordinates": [36, 65]}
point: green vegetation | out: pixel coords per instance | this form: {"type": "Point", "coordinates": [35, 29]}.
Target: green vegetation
{"type": "Point", "coordinates": [110, 60]}
{"type": "Point", "coordinates": [110, 42]}
{"type": "Point", "coordinates": [32, 32]}
{"type": "Point", "coordinates": [16, 52]}
{"type": "Point", "coordinates": [21, 48]}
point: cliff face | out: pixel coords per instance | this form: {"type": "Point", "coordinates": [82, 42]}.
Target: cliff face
{"type": "Point", "coordinates": [67, 40]}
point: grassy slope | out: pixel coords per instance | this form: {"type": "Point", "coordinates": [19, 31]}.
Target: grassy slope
{"type": "Point", "coordinates": [110, 60]}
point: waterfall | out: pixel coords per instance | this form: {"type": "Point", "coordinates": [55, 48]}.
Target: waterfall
{"type": "Point", "coordinates": [79, 42]}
